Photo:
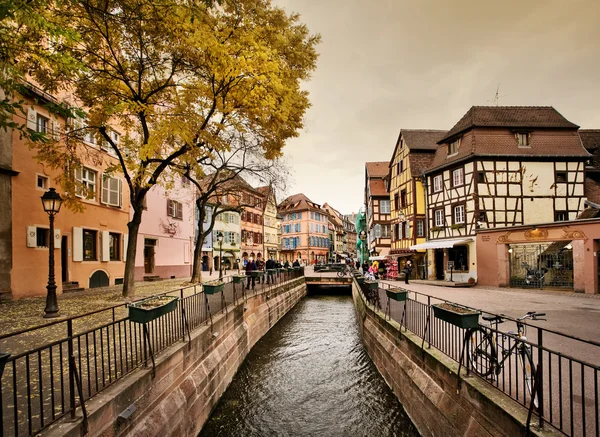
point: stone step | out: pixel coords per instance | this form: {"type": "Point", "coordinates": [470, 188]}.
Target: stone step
{"type": "Point", "coordinates": [71, 286]}
{"type": "Point", "coordinates": [152, 278]}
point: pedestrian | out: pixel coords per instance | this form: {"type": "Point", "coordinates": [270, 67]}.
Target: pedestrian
{"type": "Point", "coordinates": [296, 264]}
{"type": "Point", "coordinates": [407, 270]}
{"type": "Point", "coordinates": [357, 264]}
{"type": "Point", "coordinates": [270, 265]}
{"type": "Point", "coordinates": [382, 270]}
{"type": "Point", "coordinates": [250, 267]}
{"type": "Point", "coordinates": [375, 266]}
{"type": "Point", "coordinates": [365, 267]}
{"type": "Point", "coordinates": [260, 266]}
{"type": "Point", "coordinates": [286, 264]}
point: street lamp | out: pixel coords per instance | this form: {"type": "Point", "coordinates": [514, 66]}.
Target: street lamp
{"type": "Point", "coordinates": [51, 201]}
{"type": "Point", "coordinates": [220, 240]}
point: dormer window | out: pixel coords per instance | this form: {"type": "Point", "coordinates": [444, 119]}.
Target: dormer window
{"type": "Point", "coordinates": [523, 139]}
{"type": "Point", "coordinates": [453, 147]}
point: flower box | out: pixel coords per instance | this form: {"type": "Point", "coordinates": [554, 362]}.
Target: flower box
{"type": "Point", "coordinates": [257, 273]}
{"type": "Point", "coordinates": [271, 271]}
{"type": "Point", "coordinates": [372, 285]}
{"type": "Point", "coordinates": [361, 280]}
{"type": "Point", "coordinates": [456, 315]}
{"type": "Point", "coordinates": [397, 294]}
{"type": "Point", "coordinates": [213, 287]}
{"type": "Point", "coordinates": [239, 279]}
{"type": "Point", "coordinates": [152, 308]}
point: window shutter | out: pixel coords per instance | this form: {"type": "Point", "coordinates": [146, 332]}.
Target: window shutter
{"type": "Point", "coordinates": [125, 241]}
{"type": "Point", "coordinates": [57, 239]}
{"type": "Point", "coordinates": [105, 189]}
{"type": "Point", "coordinates": [113, 191]}
{"type": "Point", "coordinates": [180, 211]}
{"type": "Point", "coordinates": [120, 193]}
{"type": "Point", "coordinates": [105, 254]}
{"type": "Point", "coordinates": [169, 207]}
{"type": "Point", "coordinates": [77, 244]}
{"type": "Point", "coordinates": [31, 236]}
{"type": "Point", "coordinates": [31, 119]}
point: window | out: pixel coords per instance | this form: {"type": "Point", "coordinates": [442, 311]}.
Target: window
{"type": "Point", "coordinates": [42, 236]}
{"type": "Point", "coordinates": [459, 214]}
{"type": "Point", "coordinates": [111, 191]}
{"type": "Point", "coordinates": [523, 139]}
{"type": "Point", "coordinates": [114, 246]}
{"type": "Point", "coordinates": [453, 147]}
{"type": "Point", "coordinates": [385, 231]}
{"type": "Point", "coordinates": [400, 166]}
{"type": "Point", "coordinates": [174, 209]}
{"type": "Point", "coordinates": [41, 124]}
{"type": "Point", "coordinates": [420, 228]}
{"type": "Point", "coordinates": [385, 207]}
{"type": "Point", "coordinates": [561, 216]}
{"type": "Point", "coordinates": [482, 217]}
{"type": "Point", "coordinates": [396, 202]}
{"type": "Point", "coordinates": [407, 229]}
{"type": "Point", "coordinates": [437, 183]}
{"type": "Point", "coordinates": [87, 182]}
{"type": "Point", "coordinates": [439, 217]}
{"type": "Point", "coordinates": [561, 176]}
{"type": "Point", "coordinates": [90, 239]}
{"type": "Point", "coordinates": [42, 182]}
{"type": "Point", "coordinates": [481, 177]}
{"type": "Point", "coordinates": [403, 202]}
{"type": "Point", "coordinates": [458, 177]}
{"type": "Point", "coordinates": [460, 256]}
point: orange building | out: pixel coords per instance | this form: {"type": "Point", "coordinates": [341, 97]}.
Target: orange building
{"type": "Point", "coordinates": [90, 245]}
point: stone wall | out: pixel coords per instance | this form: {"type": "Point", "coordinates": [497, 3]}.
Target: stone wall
{"type": "Point", "coordinates": [190, 378]}
{"type": "Point", "coordinates": [425, 382]}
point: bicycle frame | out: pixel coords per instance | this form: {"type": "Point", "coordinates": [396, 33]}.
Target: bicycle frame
{"type": "Point", "coordinates": [517, 346]}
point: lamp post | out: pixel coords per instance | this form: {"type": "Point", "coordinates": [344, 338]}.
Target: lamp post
{"type": "Point", "coordinates": [220, 240]}
{"type": "Point", "coordinates": [51, 202]}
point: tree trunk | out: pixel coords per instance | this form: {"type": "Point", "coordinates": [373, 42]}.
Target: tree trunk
{"type": "Point", "coordinates": [134, 227]}
{"type": "Point", "coordinates": [197, 268]}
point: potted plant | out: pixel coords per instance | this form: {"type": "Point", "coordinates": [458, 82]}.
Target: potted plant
{"type": "Point", "coordinates": [238, 279]}
{"type": "Point", "coordinates": [457, 226]}
{"type": "Point", "coordinates": [371, 285]}
{"type": "Point", "coordinates": [456, 315]}
{"type": "Point", "coordinates": [151, 308]}
{"type": "Point", "coordinates": [360, 280]}
{"type": "Point", "coordinates": [435, 228]}
{"type": "Point", "coordinates": [213, 287]}
{"type": "Point", "coordinates": [257, 273]}
{"type": "Point", "coordinates": [397, 294]}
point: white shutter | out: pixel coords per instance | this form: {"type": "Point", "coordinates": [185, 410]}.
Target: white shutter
{"type": "Point", "coordinates": [125, 241]}
{"type": "Point", "coordinates": [57, 239]}
{"type": "Point", "coordinates": [31, 236]}
{"type": "Point", "coordinates": [105, 193]}
{"type": "Point", "coordinates": [113, 191]}
{"type": "Point", "coordinates": [77, 244]}
{"type": "Point", "coordinates": [31, 119]}
{"type": "Point", "coordinates": [55, 126]}
{"type": "Point", "coordinates": [105, 254]}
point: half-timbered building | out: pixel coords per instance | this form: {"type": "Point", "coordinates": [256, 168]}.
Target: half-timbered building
{"type": "Point", "coordinates": [499, 167]}
{"type": "Point", "coordinates": [413, 154]}
{"type": "Point", "coordinates": [377, 203]}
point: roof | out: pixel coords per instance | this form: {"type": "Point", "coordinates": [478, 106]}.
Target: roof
{"type": "Point", "coordinates": [592, 190]}
{"type": "Point", "coordinates": [377, 187]}
{"type": "Point", "coordinates": [377, 169]}
{"type": "Point", "coordinates": [298, 202]}
{"type": "Point", "coordinates": [422, 139]}
{"type": "Point", "coordinates": [510, 116]}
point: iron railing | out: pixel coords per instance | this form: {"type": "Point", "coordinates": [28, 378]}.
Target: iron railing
{"type": "Point", "coordinates": [56, 367]}
{"type": "Point", "coordinates": [568, 390]}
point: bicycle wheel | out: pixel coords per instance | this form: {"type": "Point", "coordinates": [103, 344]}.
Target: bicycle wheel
{"type": "Point", "coordinates": [482, 351]}
{"type": "Point", "coordinates": [529, 371]}
{"type": "Point", "coordinates": [341, 273]}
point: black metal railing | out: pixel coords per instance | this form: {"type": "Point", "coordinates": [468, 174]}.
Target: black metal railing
{"type": "Point", "coordinates": [568, 394]}
{"type": "Point", "coordinates": [56, 367]}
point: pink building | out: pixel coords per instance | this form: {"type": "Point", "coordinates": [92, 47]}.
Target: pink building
{"type": "Point", "coordinates": [166, 237]}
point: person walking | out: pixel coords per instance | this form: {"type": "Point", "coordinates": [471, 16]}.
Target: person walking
{"type": "Point", "coordinates": [382, 270]}
{"type": "Point", "coordinates": [365, 267]}
{"type": "Point", "coordinates": [270, 265]}
{"type": "Point", "coordinates": [260, 266]}
{"type": "Point", "coordinates": [407, 270]}
{"type": "Point", "coordinates": [375, 266]}
{"type": "Point", "coordinates": [296, 264]}
{"type": "Point", "coordinates": [250, 267]}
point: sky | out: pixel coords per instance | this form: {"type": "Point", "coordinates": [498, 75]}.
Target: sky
{"type": "Point", "coordinates": [387, 65]}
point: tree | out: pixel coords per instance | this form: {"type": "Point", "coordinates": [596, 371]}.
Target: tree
{"type": "Point", "coordinates": [176, 79]}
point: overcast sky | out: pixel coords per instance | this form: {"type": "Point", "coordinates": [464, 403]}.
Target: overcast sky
{"type": "Point", "coordinates": [387, 65]}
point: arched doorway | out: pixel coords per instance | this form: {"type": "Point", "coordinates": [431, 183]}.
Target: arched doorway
{"type": "Point", "coordinates": [99, 279]}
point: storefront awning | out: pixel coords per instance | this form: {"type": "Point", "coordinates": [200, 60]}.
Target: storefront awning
{"type": "Point", "coordinates": [442, 244]}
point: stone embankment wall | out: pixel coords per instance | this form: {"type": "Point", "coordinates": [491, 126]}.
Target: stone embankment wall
{"type": "Point", "coordinates": [425, 382]}
{"type": "Point", "coordinates": [190, 377]}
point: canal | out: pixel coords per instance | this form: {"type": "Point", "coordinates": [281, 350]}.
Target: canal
{"type": "Point", "coordinates": [310, 376]}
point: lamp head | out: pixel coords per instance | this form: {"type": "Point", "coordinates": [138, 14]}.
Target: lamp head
{"type": "Point", "coordinates": [51, 201]}
{"type": "Point", "coordinates": [220, 237]}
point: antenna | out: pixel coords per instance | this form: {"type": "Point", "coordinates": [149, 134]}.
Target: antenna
{"type": "Point", "coordinates": [496, 99]}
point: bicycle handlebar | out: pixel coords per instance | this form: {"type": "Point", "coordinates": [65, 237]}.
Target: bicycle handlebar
{"type": "Point", "coordinates": [533, 316]}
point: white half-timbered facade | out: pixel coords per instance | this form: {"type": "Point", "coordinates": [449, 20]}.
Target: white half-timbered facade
{"type": "Point", "coordinates": [377, 201]}
{"type": "Point", "coordinates": [499, 167]}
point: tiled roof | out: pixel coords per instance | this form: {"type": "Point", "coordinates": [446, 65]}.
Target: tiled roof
{"type": "Point", "coordinates": [298, 202]}
{"type": "Point", "coordinates": [592, 190]}
{"type": "Point", "coordinates": [377, 169]}
{"type": "Point", "coordinates": [510, 116]}
{"type": "Point", "coordinates": [377, 187]}
{"type": "Point", "coordinates": [264, 190]}
{"type": "Point", "coordinates": [422, 139]}
{"type": "Point", "coordinates": [499, 142]}
{"type": "Point", "coordinates": [419, 162]}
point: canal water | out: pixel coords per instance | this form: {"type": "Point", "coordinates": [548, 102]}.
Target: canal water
{"type": "Point", "coordinates": [310, 376]}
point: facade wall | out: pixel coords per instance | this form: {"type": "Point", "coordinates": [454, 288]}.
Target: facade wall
{"type": "Point", "coordinates": [29, 272]}
{"type": "Point", "coordinates": [300, 244]}
{"type": "Point", "coordinates": [165, 240]}
{"type": "Point", "coordinates": [5, 207]}
{"type": "Point", "coordinates": [229, 223]}
{"type": "Point", "coordinates": [252, 225]}
{"type": "Point", "coordinates": [271, 228]}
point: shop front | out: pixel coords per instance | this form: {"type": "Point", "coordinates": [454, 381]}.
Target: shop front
{"type": "Point", "coordinates": [451, 259]}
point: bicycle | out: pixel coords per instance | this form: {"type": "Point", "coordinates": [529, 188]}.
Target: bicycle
{"type": "Point", "coordinates": [483, 349]}
{"type": "Point", "coordinates": [346, 271]}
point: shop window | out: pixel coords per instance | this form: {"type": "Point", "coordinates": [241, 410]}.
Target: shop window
{"type": "Point", "coordinates": [114, 246]}
{"type": "Point", "coordinates": [90, 245]}
{"type": "Point", "coordinates": [460, 256]}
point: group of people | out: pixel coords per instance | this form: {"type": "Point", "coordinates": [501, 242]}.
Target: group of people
{"type": "Point", "coordinates": [261, 265]}
{"type": "Point", "coordinates": [378, 270]}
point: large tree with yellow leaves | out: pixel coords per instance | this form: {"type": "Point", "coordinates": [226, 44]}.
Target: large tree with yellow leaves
{"type": "Point", "coordinates": [177, 78]}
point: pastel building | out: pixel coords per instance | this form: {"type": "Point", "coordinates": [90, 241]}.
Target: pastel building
{"type": "Point", "coordinates": [229, 224]}
{"type": "Point", "coordinates": [166, 235]}
{"type": "Point", "coordinates": [271, 223]}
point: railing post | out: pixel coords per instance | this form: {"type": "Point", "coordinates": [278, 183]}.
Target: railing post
{"type": "Point", "coordinates": [182, 314]}
{"type": "Point", "coordinates": [71, 369]}
{"type": "Point", "coordinates": [428, 318]}
{"type": "Point", "coordinates": [540, 388]}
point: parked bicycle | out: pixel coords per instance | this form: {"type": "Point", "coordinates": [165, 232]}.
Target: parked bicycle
{"type": "Point", "coordinates": [484, 346]}
{"type": "Point", "coordinates": [346, 271]}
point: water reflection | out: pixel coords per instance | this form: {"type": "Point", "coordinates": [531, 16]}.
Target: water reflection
{"type": "Point", "coordinates": [310, 376]}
